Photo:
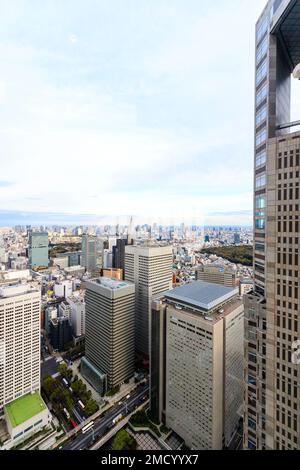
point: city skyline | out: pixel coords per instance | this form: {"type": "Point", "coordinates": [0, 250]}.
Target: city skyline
{"type": "Point", "coordinates": [114, 111]}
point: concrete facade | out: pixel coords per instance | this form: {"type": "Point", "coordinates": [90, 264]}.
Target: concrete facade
{"type": "Point", "coordinates": [272, 399]}
{"type": "Point", "coordinates": [20, 325]}
{"type": "Point", "coordinates": [216, 275]}
{"type": "Point", "coordinates": [150, 269]}
{"type": "Point", "coordinates": [196, 365]}
{"type": "Point", "coordinates": [109, 344]}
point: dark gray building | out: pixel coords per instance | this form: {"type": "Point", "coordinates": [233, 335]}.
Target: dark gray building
{"type": "Point", "coordinates": [74, 258]}
{"type": "Point", "coordinates": [60, 333]}
{"type": "Point", "coordinates": [119, 254]}
{"type": "Point", "coordinates": [89, 253]}
{"type": "Point", "coordinates": [272, 327]}
{"type": "Point", "coordinates": [109, 333]}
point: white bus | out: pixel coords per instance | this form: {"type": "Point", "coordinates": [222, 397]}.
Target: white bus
{"type": "Point", "coordinates": [117, 419]}
{"type": "Point", "coordinates": [67, 413]}
{"type": "Point", "coordinates": [87, 427]}
{"type": "Point", "coordinates": [65, 382]}
{"type": "Point", "coordinates": [81, 404]}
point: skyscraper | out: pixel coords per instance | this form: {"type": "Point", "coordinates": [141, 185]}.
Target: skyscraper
{"type": "Point", "coordinates": [89, 253]}
{"type": "Point", "coordinates": [20, 308]}
{"type": "Point", "coordinates": [119, 254]}
{"type": "Point", "coordinates": [38, 247]}
{"type": "Point", "coordinates": [272, 408]}
{"type": "Point", "coordinates": [196, 363]}
{"type": "Point", "coordinates": [150, 269]}
{"type": "Point", "coordinates": [109, 333]}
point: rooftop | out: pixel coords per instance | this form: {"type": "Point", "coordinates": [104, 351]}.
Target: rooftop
{"type": "Point", "coordinates": [247, 281]}
{"type": "Point", "coordinates": [21, 410]}
{"type": "Point", "coordinates": [15, 290]}
{"type": "Point", "coordinates": [111, 283]}
{"type": "Point", "coordinates": [203, 295]}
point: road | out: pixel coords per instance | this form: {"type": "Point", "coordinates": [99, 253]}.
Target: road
{"type": "Point", "coordinates": [102, 424]}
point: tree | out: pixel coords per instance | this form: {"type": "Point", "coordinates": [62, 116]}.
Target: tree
{"type": "Point", "coordinates": [62, 369]}
{"type": "Point", "coordinates": [49, 385]}
{"type": "Point", "coordinates": [124, 441]}
{"type": "Point", "coordinates": [91, 407]}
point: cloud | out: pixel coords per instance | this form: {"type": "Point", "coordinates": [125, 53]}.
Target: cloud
{"type": "Point", "coordinates": [73, 39]}
{"type": "Point", "coordinates": [149, 114]}
{"type": "Point", "coordinates": [3, 93]}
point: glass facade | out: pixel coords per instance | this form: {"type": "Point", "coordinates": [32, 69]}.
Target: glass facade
{"type": "Point", "coordinates": [38, 247]}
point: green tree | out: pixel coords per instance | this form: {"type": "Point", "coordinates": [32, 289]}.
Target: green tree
{"type": "Point", "coordinates": [49, 385]}
{"type": "Point", "coordinates": [91, 407]}
{"type": "Point", "coordinates": [124, 441]}
{"type": "Point", "coordinates": [62, 369]}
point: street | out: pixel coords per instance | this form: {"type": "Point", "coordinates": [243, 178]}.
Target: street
{"type": "Point", "coordinates": [102, 424]}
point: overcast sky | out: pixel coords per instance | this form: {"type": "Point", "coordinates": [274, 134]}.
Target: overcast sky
{"type": "Point", "coordinates": [117, 107]}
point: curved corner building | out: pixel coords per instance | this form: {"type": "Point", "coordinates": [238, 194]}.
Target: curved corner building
{"type": "Point", "coordinates": [272, 374]}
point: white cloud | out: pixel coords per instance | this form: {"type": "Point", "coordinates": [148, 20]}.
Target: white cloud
{"type": "Point", "coordinates": [73, 39]}
{"type": "Point", "coordinates": [3, 93]}
{"type": "Point", "coordinates": [148, 121]}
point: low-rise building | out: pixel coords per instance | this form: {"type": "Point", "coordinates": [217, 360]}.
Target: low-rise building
{"type": "Point", "coordinates": [216, 274]}
{"type": "Point", "coordinates": [24, 417]}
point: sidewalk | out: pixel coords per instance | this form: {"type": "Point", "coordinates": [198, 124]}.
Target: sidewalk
{"type": "Point", "coordinates": [125, 389]}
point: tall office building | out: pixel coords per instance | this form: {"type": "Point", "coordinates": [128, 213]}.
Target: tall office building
{"type": "Point", "coordinates": [216, 275]}
{"type": "Point", "coordinates": [150, 269]}
{"type": "Point", "coordinates": [38, 249]}
{"type": "Point", "coordinates": [60, 333]}
{"type": "Point", "coordinates": [89, 253]}
{"type": "Point", "coordinates": [119, 254]}
{"type": "Point", "coordinates": [20, 308]}
{"type": "Point", "coordinates": [109, 333]}
{"type": "Point", "coordinates": [272, 395]}
{"type": "Point", "coordinates": [196, 363]}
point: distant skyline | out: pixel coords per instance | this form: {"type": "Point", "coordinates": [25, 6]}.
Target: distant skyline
{"type": "Point", "coordinates": [137, 107]}
{"type": "Point", "coordinates": [13, 218]}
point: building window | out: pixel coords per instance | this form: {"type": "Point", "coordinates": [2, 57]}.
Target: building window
{"type": "Point", "coordinates": [261, 94]}
{"type": "Point", "coordinates": [261, 116]}
{"type": "Point", "coordinates": [260, 224]}
{"type": "Point", "coordinates": [261, 137]}
{"type": "Point", "coordinates": [262, 49]}
{"type": "Point", "coordinates": [260, 181]}
{"type": "Point", "coordinates": [261, 158]}
{"type": "Point", "coordinates": [261, 72]}
{"type": "Point", "coordinates": [262, 28]}
{"type": "Point", "coordinates": [251, 380]}
{"type": "Point", "coordinates": [259, 247]}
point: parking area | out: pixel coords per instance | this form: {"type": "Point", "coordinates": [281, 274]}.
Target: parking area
{"type": "Point", "coordinates": [49, 367]}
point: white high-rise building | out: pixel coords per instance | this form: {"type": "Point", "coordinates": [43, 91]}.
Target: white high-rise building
{"type": "Point", "coordinates": [150, 269]}
{"type": "Point", "coordinates": [20, 308]}
{"type": "Point", "coordinates": [77, 305]}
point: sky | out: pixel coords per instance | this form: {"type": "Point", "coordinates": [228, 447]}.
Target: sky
{"type": "Point", "coordinates": [136, 107]}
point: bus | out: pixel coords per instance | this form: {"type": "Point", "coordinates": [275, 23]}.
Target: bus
{"type": "Point", "coordinates": [81, 404]}
{"type": "Point", "coordinates": [65, 382]}
{"type": "Point", "coordinates": [117, 419]}
{"type": "Point", "coordinates": [67, 413]}
{"type": "Point", "coordinates": [87, 427]}
{"type": "Point", "coordinates": [73, 423]}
